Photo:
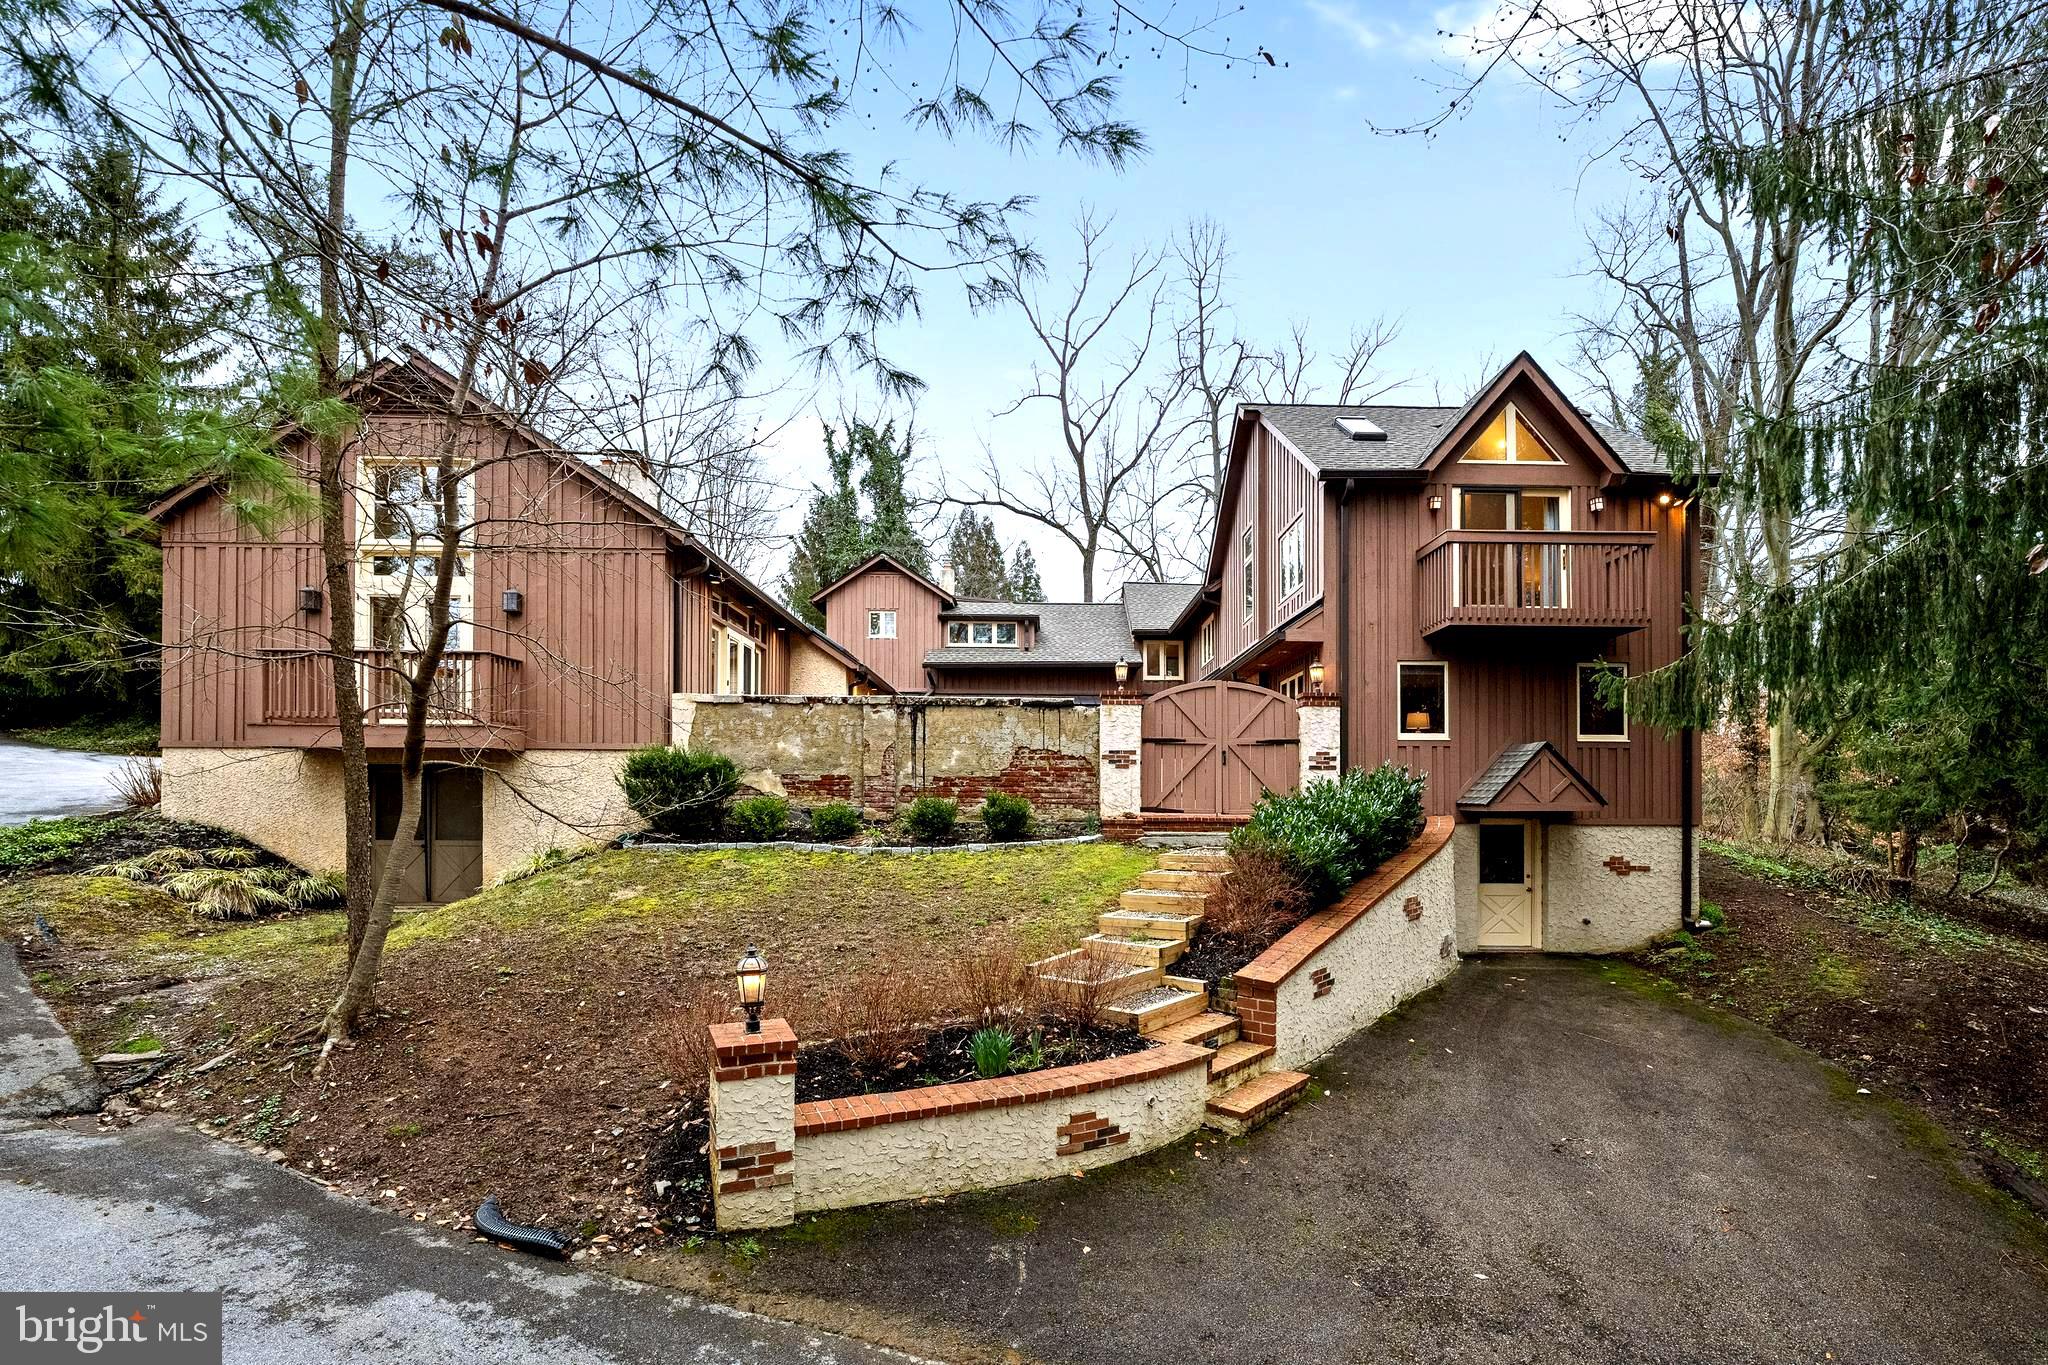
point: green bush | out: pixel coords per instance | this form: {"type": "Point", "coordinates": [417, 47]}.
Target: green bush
{"type": "Point", "coordinates": [1005, 816]}
{"type": "Point", "coordinates": [1333, 833]}
{"type": "Point", "coordinates": [759, 818]}
{"type": "Point", "coordinates": [931, 818]}
{"type": "Point", "coordinates": [993, 1050]}
{"type": "Point", "coordinates": [682, 792]}
{"type": "Point", "coordinates": [835, 820]}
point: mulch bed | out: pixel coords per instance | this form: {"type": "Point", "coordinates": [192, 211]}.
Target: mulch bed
{"type": "Point", "coordinates": [1915, 1006]}
{"type": "Point", "coordinates": [117, 838]}
{"type": "Point", "coordinates": [1216, 958]}
{"type": "Point", "coordinates": [825, 1072]}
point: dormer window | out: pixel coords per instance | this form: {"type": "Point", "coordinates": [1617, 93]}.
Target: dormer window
{"type": "Point", "coordinates": [1509, 440]}
{"type": "Point", "coordinates": [997, 634]}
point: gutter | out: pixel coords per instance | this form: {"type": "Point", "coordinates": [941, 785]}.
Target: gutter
{"type": "Point", "coordinates": [1688, 747]}
{"type": "Point", "coordinates": [1343, 625]}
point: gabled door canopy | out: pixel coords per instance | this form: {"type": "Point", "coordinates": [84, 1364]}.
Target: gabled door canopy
{"type": "Point", "coordinates": [1530, 779]}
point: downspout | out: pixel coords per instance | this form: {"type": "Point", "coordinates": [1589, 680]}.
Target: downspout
{"type": "Point", "coordinates": [1343, 627]}
{"type": "Point", "coordinates": [1687, 736]}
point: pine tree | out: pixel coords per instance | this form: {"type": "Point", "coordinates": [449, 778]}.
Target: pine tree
{"type": "Point", "coordinates": [975, 555]}
{"type": "Point", "coordinates": [1024, 583]}
{"type": "Point", "coordinates": [889, 528]}
{"type": "Point", "coordinates": [832, 538]}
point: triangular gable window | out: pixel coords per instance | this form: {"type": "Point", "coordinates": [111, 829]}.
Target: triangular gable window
{"type": "Point", "coordinates": [1507, 439]}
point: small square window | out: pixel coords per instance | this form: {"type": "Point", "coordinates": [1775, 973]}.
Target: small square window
{"type": "Point", "coordinates": [984, 633]}
{"type": "Point", "coordinates": [881, 625]}
{"type": "Point", "coordinates": [1424, 697]}
{"type": "Point", "coordinates": [956, 632]}
{"type": "Point", "coordinates": [1599, 722]}
{"type": "Point", "coordinates": [1162, 661]}
{"type": "Point", "coordinates": [1006, 632]}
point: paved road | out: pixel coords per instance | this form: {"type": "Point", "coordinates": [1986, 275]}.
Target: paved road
{"type": "Point", "coordinates": [38, 783]}
{"type": "Point", "coordinates": [1529, 1165]}
{"type": "Point", "coordinates": [311, 1276]}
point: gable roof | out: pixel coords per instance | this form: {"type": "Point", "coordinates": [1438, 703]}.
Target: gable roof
{"type": "Point", "coordinates": [1155, 608]}
{"type": "Point", "coordinates": [879, 559]}
{"type": "Point", "coordinates": [1070, 635]}
{"type": "Point", "coordinates": [1530, 777]}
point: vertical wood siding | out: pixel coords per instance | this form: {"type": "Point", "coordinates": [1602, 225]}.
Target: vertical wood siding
{"type": "Point", "coordinates": [900, 661]}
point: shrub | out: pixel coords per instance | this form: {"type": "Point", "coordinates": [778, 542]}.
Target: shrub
{"type": "Point", "coordinates": [758, 818]}
{"type": "Point", "coordinates": [682, 792]}
{"type": "Point", "coordinates": [1261, 897]}
{"type": "Point", "coordinates": [683, 1037]}
{"type": "Point", "coordinates": [993, 1050]}
{"type": "Point", "coordinates": [876, 1017]}
{"type": "Point", "coordinates": [992, 980]}
{"type": "Point", "coordinates": [931, 818]}
{"type": "Point", "coordinates": [1005, 816]}
{"type": "Point", "coordinates": [835, 820]}
{"type": "Point", "coordinates": [1333, 833]}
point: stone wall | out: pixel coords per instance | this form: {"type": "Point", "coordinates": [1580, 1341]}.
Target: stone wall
{"type": "Point", "coordinates": [286, 800]}
{"type": "Point", "coordinates": [882, 752]}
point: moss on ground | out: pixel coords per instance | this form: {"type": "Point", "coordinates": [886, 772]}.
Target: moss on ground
{"type": "Point", "coordinates": [100, 735]}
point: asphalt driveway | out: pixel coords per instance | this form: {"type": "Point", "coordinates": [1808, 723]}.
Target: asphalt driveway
{"type": "Point", "coordinates": [1533, 1163]}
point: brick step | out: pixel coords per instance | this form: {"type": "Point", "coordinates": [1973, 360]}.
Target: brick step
{"type": "Point", "coordinates": [1171, 879]}
{"type": "Point", "coordinates": [1236, 1064]}
{"type": "Point", "coordinates": [1257, 1100]}
{"type": "Point", "coordinates": [1194, 860]}
{"type": "Point", "coordinates": [1147, 901]}
{"type": "Point", "coordinates": [1142, 951]}
{"type": "Point", "coordinates": [1162, 1007]}
{"type": "Point", "coordinates": [1071, 975]}
{"type": "Point", "coordinates": [1145, 924]}
{"type": "Point", "coordinates": [1206, 1029]}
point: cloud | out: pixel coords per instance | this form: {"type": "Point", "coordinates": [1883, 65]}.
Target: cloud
{"type": "Point", "coordinates": [1345, 18]}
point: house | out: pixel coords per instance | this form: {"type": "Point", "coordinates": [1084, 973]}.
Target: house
{"type": "Point", "coordinates": [581, 611]}
{"type": "Point", "coordinates": [920, 637]}
{"type": "Point", "coordinates": [1453, 582]}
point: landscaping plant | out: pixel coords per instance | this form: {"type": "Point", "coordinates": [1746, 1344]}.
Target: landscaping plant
{"type": "Point", "coordinates": [835, 820]}
{"type": "Point", "coordinates": [1005, 816]}
{"type": "Point", "coordinates": [758, 818]}
{"type": "Point", "coordinates": [1262, 895]}
{"type": "Point", "coordinates": [1333, 833]}
{"type": "Point", "coordinates": [931, 818]}
{"type": "Point", "coordinates": [679, 792]}
{"type": "Point", "coordinates": [993, 1050]}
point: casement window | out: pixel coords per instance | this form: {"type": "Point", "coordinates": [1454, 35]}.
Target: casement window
{"type": "Point", "coordinates": [1162, 661]}
{"type": "Point", "coordinates": [402, 502]}
{"type": "Point", "coordinates": [1000, 634]}
{"type": "Point", "coordinates": [1251, 596]}
{"type": "Point", "coordinates": [741, 670]}
{"type": "Point", "coordinates": [1293, 559]}
{"type": "Point", "coordinates": [1509, 440]}
{"type": "Point", "coordinates": [1600, 723]}
{"type": "Point", "coordinates": [1293, 685]}
{"type": "Point", "coordinates": [1209, 641]}
{"type": "Point", "coordinates": [881, 625]}
{"type": "Point", "coordinates": [1423, 701]}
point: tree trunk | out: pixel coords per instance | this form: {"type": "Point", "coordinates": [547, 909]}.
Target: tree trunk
{"type": "Point", "coordinates": [1787, 782]}
{"type": "Point", "coordinates": [358, 990]}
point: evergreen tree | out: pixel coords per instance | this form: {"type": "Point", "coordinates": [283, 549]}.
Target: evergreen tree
{"type": "Point", "coordinates": [1024, 583]}
{"type": "Point", "coordinates": [889, 528]}
{"type": "Point", "coordinates": [975, 555]}
{"type": "Point", "coordinates": [832, 537]}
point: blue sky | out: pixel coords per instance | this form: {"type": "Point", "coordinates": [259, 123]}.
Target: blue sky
{"type": "Point", "coordinates": [1473, 238]}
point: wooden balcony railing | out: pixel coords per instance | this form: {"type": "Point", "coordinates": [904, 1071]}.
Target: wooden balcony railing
{"type": "Point", "coordinates": [471, 687]}
{"type": "Point", "coordinates": [1583, 579]}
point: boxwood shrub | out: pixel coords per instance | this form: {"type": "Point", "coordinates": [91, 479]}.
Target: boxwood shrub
{"type": "Point", "coordinates": [931, 818]}
{"type": "Point", "coordinates": [758, 818]}
{"type": "Point", "coordinates": [680, 792]}
{"type": "Point", "coordinates": [1333, 833]}
{"type": "Point", "coordinates": [1005, 816]}
{"type": "Point", "coordinates": [835, 820]}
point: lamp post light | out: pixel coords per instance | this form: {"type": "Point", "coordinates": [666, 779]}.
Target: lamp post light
{"type": "Point", "coordinates": [752, 974]}
{"type": "Point", "coordinates": [1315, 676]}
{"type": "Point", "coordinates": [1123, 672]}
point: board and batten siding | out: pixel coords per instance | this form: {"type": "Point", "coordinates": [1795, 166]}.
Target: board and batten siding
{"type": "Point", "coordinates": [899, 662]}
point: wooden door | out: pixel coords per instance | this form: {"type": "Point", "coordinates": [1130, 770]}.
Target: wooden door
{"type": "Point", "coordinates": [1507, 884]}
{"type": "Point", "coordinates": [1211, 748]}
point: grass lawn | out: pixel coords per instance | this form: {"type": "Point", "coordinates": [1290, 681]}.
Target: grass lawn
{"type": "Point", "coordinates": [518, 1052]}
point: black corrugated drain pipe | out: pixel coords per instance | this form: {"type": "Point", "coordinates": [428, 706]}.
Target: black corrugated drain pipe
{"type": "Point", "coordinates": [492, 1223]}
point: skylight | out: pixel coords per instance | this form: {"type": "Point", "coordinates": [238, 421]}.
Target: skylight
{"type": "Point", "coordinates": [1359, 429]}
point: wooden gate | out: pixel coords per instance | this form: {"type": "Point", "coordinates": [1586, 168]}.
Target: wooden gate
{"type": "Point", "coordinates": [1210, 748]}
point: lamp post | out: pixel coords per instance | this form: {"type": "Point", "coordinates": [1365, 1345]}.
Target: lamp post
{"type": "Point", "coordinates": [752, 974]}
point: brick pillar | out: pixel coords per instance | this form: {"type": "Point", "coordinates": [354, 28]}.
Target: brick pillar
{"type": "Point", "coordinates": [1121, 785]}
{"type": "Point", "coordinates": [1320, 723]}
{"type": "Point", "coordinates": [753, 1124]}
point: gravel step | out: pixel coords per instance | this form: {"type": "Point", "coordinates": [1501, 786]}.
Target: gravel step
{"type": "Point", "coordinates": [1202, 1030]}
{"type": "Point", "coordinates": [1160, 1007]}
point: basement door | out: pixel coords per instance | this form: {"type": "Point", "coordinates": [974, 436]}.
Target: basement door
{"type": "Point", "coordinates": [1509, 852]}
{"type": "Point", "coordinates": [445, 856]}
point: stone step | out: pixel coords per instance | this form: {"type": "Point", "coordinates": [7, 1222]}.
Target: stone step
{"type": "Point", "coordinates": [1151, 902]}
{"type": "Point", "coordinates": [1072, 975]}
{"type": "Point", "coordinates": [1162, 1007]}
{"type": "Point", "coordinates": [1206, 1029]}
{"type": "Point", "coordinates": [1235, 1064]}
{"type": "Point", "coordinates": [1167, 879]}
{"type": "Point", "coordinates": [1257, 1100]}
{"type": "Point", "coordinates": [1143, 951]}
{"type": "Point", "coordinates": [1195, 860]}
{"type": "Point", "coordinates": [1144, 924]}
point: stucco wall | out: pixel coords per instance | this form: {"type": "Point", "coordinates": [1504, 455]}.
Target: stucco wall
{"type": "Point", "coordinates": [813, 672]}
{"type": "Point", "coordinates": [553, 798]}
{"type": "Point", "coordinates": [1609, 887]}
{"type": "Point", "coordinates": [880, 752]}
{"type": "Point", "coordinates": [997, 1145]}
{"type": "Point", "coordinates": [287, 800]}
{"type": "Point", "coordinates": [1122, 781]}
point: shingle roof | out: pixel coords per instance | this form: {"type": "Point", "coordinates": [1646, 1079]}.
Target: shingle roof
{"type": "Point", "coordinates": [1152, 608]}
{"type": "Point", "coordinates": [1507, 768]}
{"type": "Point", "coordinates": [1070, 634]}
{"type": "Point", "coordinates": [1507, 765]}
{"type": "Point", "coordinates": [1412, 434]}
{"type": "Point", "coordinates": [982, 610]}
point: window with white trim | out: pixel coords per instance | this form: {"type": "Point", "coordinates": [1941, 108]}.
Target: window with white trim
{"type": "Point", "coordinates": [740, 669]}
{"type": "Point", "coordinates": [1600, 723]}
{"type": "Point", "coordinates": [1423, 700]}
{"type": "Point", "coordinates": [1163, 661]}
{"type": "Point", "coordinates": [1293, 558]}
{"type": "Point", "coordinates": [1000, 634]}
{"type": "Point", "coordinates": [1209, 641]}
{"type": "Point", "coordinates": [881, 625]}
{"type": "Point", "coordinates": [1293, 685]}
{"type": "Point", "coordinates": [1251, 596]}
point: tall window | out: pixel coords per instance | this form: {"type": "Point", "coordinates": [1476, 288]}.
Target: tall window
{"type": "Point", "coordinates": [1209, 640]}
{"type": "Point", "coordinates": [1508, 439]}
{"type": "Point", "coordinates": [741, 668]}
{"type": "Point", "coordinates": [1424, 694]}
{"type": "Point", "coordinates": [403, 506]}
{"type": "Point", "coordinates": [881, 625]}
{"type": "Point", "coordinates": [1599, 722]}
{"type": "Point", "coordinates": [1162, 661]}
{"type": "Point", "coordinates": [1293, 558]}
{"type": "Point", "coordinates": [1244, 548]}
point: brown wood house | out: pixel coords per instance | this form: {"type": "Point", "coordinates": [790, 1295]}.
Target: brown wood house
{"type": "Point", "coordinates": [583, 610]}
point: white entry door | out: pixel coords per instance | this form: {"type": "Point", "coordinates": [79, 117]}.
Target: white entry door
{"type": "Point", "coordinates": [1507, 884]}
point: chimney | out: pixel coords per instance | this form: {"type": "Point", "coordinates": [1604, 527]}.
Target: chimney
{"type": "Point", "coordinates": [946, 575]}
{"type": "Point", "coordinates": [630, 472]}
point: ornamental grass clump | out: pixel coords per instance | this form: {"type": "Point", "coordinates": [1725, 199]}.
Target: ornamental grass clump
{"type": "Point", "coordinates": [1333, 833]}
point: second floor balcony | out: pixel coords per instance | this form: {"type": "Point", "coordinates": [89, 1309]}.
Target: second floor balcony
{"type": "Point", "coordinates": [474, 702]}
{"type": "Point", "coordinates": [1585, 580]}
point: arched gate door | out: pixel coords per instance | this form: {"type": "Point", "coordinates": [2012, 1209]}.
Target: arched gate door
{"type": "Point", "coordinates": [1210, 748]}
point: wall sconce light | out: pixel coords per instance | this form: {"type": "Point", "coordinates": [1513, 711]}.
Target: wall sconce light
{"type": "Point", "coordinates": [309, 601]}
{"type": "Point", "coordinates": [1123, 671]}
{"type": "Point", "coordinates": [514, 601]}
{"type": "Point", "coordinates": [1436, 502]}
{"type": "Point", "coordinates": [752, 974]}
{"type": "Point", "coordinates": [1596, 504]}
{"type": "Point", "coordinates": [1664, 498]}
{"type": "Point", "coordinates": [1315, 676]}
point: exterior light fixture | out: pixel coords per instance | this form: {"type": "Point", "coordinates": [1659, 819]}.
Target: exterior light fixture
{"type": "Point", "coordinates": [514, 601]}
{"type": "Point", "coordinates": [1123, 671]}
{"type": "Point", "coordinates": [1436, 502]}
{"type": "Point", "coordinates": [1596, 504]}
{"type": "Point", "coordinates": [1664, 498]}
{"type": "Point", "coordinates": [309, 601]}
{"type": "Point", "coordinates": [752, 974]}
{"type": "Point", "coordinates": [1315, 676]}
